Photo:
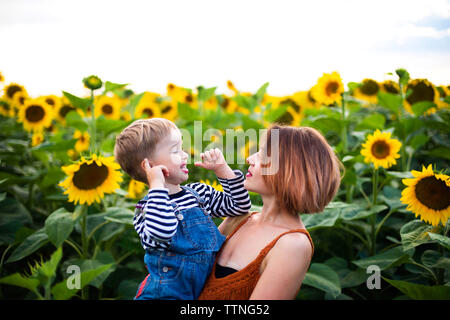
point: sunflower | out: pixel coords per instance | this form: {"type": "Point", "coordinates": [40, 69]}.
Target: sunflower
{"type": "Point", "coordinates": [125, 115]}
{"type": "Point", "coordinates": [83, 140]}
{"type": "Point", "coordinates": [53, 100]}
{"type": "Point", "coordinates": [305, 99]}
{"type": "Point", "coordinates": [169, 111]}
{"type": "Point", "coordinates": [107, 106]}
{"type": "Point", "coordinates": [19, 99]}
{"type": "Point", "coordinates": [367, 91]}
{"type": "Point", "coordinates": [228, 104]}
{"type": "Point", "coordinates": [11, 89]}
{"type": "Point", "coordinates": [92, 82]}
{"type": "Point", "coordinates": [62, 109]}
{"type": "Point", "coordinates": [231, 86]}
{"type": "Point", "coordinates": [328, 89]}
{"type": "Point", "coordinates": [181, 95]}
{"type": "Point", "coordinates": [2, 78]}
{"type": "Point", "coordinates": [390, 86]}
{"type": "Point", "coordinates": [37, 138]}
{"type": "Point", "coordinates": [214, 184]}
{"type": "Point", "coordinates": [135, 189]}
{"type": "Point", "coordinates": [6, 109]}
{"type": "Point", "coordinates": [293, 114]}
{"type": "Point", "coordinates": [428, 195]}
{"type": "Point", "coordinates": [35, 114]}
{"type": "Point", "coordinates": [381, 150]}
{"type": "Point", "coordinates": [89, 180]}
{"type": "Point", "coordinates": [421, 90]}
{"type": "Point", "coordinates": [148, 106]}
{"type": "Point", "coordinates": [444, 91]}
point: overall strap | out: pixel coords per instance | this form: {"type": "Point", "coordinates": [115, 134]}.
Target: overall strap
{"type": "Point", "coordinates": [200, 200]}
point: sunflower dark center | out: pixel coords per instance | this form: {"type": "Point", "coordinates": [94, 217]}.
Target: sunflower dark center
{"type": "Point", "coordinates": [433, 193]}
{"type": "Point", "coordinates": [34, 113]}
{"type": "Point", "coordinates": [286, 118]}
{"type": "Point", "coordinates": [310, 97]}
{"type": "Point", "coordinates": [421, 91]}
{"type": "Point", "coordinates": [331, 88]}
{"type": "Point", "coordinates": [189, 98]}
{"type": "Point", "coordinates": [50, 101]}
{"type": "Point", "coordinates": [380, 149]}
{"type": "Point", "coordinates": [391, 88]}
{"type": "Point", "coordinates": [107, 109]}
{"type": "Point", "coordinates": [90, 176]}
{"type": "Point", "coordinates": [166, 109]}
{"type": "Point", "coordinates": [11, 91]}
{"type": "Point", "coordinates": [149, 112]}
{"type": "Point", "coordinates": [225, 103]}
{"type": "Point", "coordinates": [291, 103]}
{"type": "Point", "coordinates": [4, 105]}
{"type": "Point", "coordinates": [65, 110]}
{"type": "Point", "coordinates": [370, 87]}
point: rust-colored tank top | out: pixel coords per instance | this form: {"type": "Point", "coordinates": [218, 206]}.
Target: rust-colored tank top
{"type": "Point", "coordinates": [240, 285]}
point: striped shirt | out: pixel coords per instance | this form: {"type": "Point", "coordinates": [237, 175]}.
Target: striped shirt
{"type": "Point", "coordinates": [155, 220]}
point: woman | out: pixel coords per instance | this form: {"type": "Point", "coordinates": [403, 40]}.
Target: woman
{"type": "Point", "coordinates": [268, 254]}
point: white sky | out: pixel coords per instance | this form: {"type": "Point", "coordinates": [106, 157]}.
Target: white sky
{"type": "Point", "coordinates": [49, 46]}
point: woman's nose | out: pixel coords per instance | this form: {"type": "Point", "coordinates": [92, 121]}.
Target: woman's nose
{"type": "Point", "coordinates": [249, 160]}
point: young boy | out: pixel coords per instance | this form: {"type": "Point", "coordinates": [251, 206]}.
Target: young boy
{"type": "Point", "coordinates": [174, 222]}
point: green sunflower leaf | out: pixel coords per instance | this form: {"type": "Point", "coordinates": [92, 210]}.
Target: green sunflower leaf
{"type": "Point", "coordinates": [77, 102]}
{"type": "Point", "coordinates": [18, 280]}
{"type": "Point", "coordinates": [74, 119]}
{"type": "Point", "coordinates": [442, 240]}
{"type": "Point", "coordinates": [29, 245]}
{"type": "Point", "coordinates": [414, 233]}
{"type": "Point", "coordinates": [61, 291]}
{"type": "Point", "coordinates": [420, 291]}
{"type": "Point", "coordinates": [387, 259]}
{"type": "Point", "coordinates": [111, 86]}
{"type": "Point", "coordinates": [59, 226]}
{"type": "Point", "coordinates": [390, 101]}
{"type": "Point", "coordinates": [420, 107]}
{"type": "Point", "coordinates": [322, 277]}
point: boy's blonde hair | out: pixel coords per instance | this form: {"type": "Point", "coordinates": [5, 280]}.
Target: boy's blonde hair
{"type": "Point", "coordinates": [137, 142]}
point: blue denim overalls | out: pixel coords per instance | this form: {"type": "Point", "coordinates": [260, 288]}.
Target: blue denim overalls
{"type": "Point", "coordinates": [181, 271]}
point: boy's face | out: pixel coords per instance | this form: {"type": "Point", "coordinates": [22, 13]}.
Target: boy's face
{"type": "Point", "coordinates": [169, 152]}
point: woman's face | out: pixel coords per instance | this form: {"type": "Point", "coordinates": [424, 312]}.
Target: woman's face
{"type": "Point", "coordinates": [254, 179]}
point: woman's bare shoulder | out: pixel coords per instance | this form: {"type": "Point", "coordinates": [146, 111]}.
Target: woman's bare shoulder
{"type": "Point", "coordinates": [294, 244]}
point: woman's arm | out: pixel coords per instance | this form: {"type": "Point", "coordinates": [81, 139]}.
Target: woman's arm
{"type": "Point", "coordinates": [286, 265]}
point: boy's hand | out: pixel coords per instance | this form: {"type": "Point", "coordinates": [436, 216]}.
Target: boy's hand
{"type": "Point", "coordinates": [214, 160]}
{"type": "Point", "coordinates": [155, 175]}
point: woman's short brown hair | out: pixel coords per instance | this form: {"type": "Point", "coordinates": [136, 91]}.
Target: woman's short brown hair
{"type": "Point", "coordinates": [137, 142]}
{"type": "Point", "coordinates": [309, 172]}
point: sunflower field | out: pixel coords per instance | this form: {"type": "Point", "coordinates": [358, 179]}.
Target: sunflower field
{"type": "Point", "coordinates": [66, 205]}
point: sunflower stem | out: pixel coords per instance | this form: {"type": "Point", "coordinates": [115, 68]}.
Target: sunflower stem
{"type": "Point", "coordinates": [373, 218]}
{"type": "Point", "coordinates": [344, 126]}
{"type": "Point", "coordinates": [84, 244]}
{"type": "Point", "coordinates": [93, 125]}
{"type": "Point", "coordinates": [411, 261]}
{"type": "Point", "coordinates": [402, 128]}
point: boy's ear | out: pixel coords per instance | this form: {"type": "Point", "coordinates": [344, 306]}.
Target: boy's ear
{"type": "Point", "coordinates": [143, 163]}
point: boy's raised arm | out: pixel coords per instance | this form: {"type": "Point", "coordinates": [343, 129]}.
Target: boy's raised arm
{"type": "Point", "coordinates": [234, 200]}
